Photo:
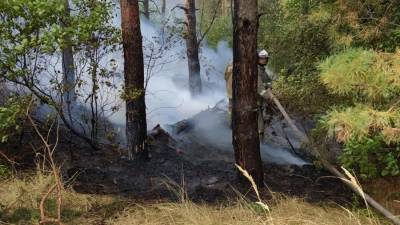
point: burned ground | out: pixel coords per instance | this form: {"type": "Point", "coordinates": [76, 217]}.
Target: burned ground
{"type": "Point", "coordinates": [194, 157]}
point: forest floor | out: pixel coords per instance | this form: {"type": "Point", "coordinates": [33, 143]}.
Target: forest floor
{"type": "Point", "coordinates": [189, 179]}
{"type": "Point", "coordinates": [196, 156]}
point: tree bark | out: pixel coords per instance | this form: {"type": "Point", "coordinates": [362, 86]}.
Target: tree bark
{"type": "Point", "coordinates": [146, 9]}
{"type": "Point", "coordinates": [244, 115]}
{"type": "Point", "coordinates": [163, 7]}
{"type": "Point", "coordinates": [192, 46]}
{"type": "Point", "coordinates": [68, 92]}
{"type": "Point", "coordinates": [136, 127]}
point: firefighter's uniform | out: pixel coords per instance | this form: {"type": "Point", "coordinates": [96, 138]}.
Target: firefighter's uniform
{"type": "Point", "coordinates": [263, 83]}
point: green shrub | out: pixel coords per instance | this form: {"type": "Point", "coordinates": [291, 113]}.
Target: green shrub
{"type": "Point", "coordinates": [369, 129]}
{"type": "Point", "coordinates": [4, 172]}
{"type": "Point", "coordinates": [371, 158]}
{"type": "Point", "coordinates": [11, 117]}
{"type": "Point", "coordinates": [304, 94]}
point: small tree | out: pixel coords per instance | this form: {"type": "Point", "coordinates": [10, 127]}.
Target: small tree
{"type": "Point", "coordinates": [192, 47]}
{"type": "Point", "coordinates": [46, 30]}
{"type": "Point", "coordinates": [193, 44]}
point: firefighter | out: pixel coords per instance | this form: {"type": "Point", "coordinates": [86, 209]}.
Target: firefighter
{"type": "Point", "coordinates": [228, 80]}
{"type": "Point", "coordinates": [264, 81]}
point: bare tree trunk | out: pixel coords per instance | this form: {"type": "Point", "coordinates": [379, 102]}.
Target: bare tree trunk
{"type": "Point", "coordinates": [136, 127]}
{"type": "Point", "coordinates": [93, 97]}
{"type": "Point", "coordinates": [163, 7]}
{"type": "Point", "coordinates": [163, 22]}
{"type": "Point", "coordinates": [68, 91]}
{"type": "Point", "coordinates": [146, 10]}
{"type": "Point", "coordinates": [244, 118]}
{"type": "Point", "coordinates": [192, 46]}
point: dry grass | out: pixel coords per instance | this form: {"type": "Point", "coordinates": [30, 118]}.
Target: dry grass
{"type": "Point", "coordinates": [286, 211]}
{"type": "Point", "coordinates": [19, 200]}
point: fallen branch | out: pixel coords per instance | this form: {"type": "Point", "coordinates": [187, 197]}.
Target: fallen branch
{"type": "Point", "coordinates": [12, 162]}
{"type": "Point", "coordinates": [328, 166]}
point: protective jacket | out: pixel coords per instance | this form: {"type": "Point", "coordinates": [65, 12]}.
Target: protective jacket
{"type": "Point", "coordinates": [228, 79]}
{"type": "Point", "coordinates": [264, 80]}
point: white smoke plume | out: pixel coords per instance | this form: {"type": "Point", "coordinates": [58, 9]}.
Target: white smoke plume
{"type": "Point", "coordinates": [168, 99]}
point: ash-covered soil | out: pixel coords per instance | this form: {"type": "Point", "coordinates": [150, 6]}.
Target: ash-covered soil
{"type": "Point", "coordinates": [196, 157]}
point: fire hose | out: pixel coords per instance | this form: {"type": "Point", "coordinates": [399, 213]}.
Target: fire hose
{"type": "Point", "coordinates": [328, 166]}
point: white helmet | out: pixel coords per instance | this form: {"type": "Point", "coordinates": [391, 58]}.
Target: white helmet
{"type": "Point", "coordinates": [263, 54]}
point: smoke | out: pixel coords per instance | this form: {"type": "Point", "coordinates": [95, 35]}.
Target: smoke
{"type": "Point", "coordinates": [169, 101]}
{"type": "Point", "coordinates": [168, 98]}
{"type": "Point", "coordinates": [211, 128]}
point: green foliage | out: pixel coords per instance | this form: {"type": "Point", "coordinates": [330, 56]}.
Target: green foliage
{"type": "Point", "coordinates": [299, 33]}
{"type": "Point", "coordinates": [294, 42]}
{"type": "Point", "coordinates": [370, 157]}
{"type": "Point", "coordinates": [361, 122]}
{"type": "Point", "coordinates": [371, 139]}
{"type": "Point", "coordinates": [304, 94]}
{"type": "Point", "coordinates": [364, 74]}
{"type": "Point", "coordinates": [338, 58]}
{"type": "Point", "coordinates": [33, 31]}
{"type": "Point", "coordinates": [33, 36]}
{"type": "Point", "coordinates": [370, 129]}
{"type": "Point", "coordinates": [216, 21]}
{"type": "Point", "coordinates": [94, 21]}
{"type": "Point", "coordinates": [368, 24]}
{"type": "Point", "coordinates": [221, 26]}
{"type": "Point", "coordinates": [11, 118]}
{"type": "Point", "coordinates": [4, 171]}
{"type": "Point", "coordinates": [20, 25]}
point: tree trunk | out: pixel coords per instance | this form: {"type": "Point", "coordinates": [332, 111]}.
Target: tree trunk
{"type": "Point", "coordinates": [136, 127]}
{"type": "Point", "coordinates": [163, 21]}
{"type": "Point", "coordinates": [69, 96]}
{"type": "Point", "coordinates": [192, 46]}
{"type": "Point", "coordinates": [93, 97]}
{"type": "Point", "coordinates": [163, 7]}
{"type": "Point", "coordinates": [244, 115]}
{"type": "Point", "coordinates": [146, 9]}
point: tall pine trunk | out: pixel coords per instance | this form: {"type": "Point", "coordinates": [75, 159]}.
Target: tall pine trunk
{"type": "Point", "coordinates": [244, 115]}
{"type": "Point", "coordinates": [192, 46]}
{"type": "Point", "coordinates": [136, 127]}
{"type": "Point", "coordinates": [69, 96]}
